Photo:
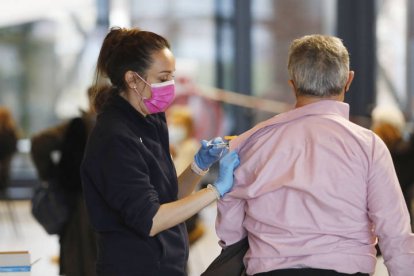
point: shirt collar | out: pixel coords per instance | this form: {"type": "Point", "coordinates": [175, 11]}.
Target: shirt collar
{"type": "Point", "coordinates": [323, 107]}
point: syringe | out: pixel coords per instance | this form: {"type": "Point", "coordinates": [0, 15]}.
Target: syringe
{"type": "Point", "coordinates": [221, 145]}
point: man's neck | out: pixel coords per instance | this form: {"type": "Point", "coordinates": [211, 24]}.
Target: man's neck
{"type": "Point", "coordinates": [305, 100]}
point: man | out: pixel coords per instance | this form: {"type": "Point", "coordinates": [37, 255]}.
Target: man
{"type": "Point", "coordinates": [315, 191]}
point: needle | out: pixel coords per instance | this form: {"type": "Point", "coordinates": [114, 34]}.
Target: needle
{"type": "Point", "coordinates": [219, 145]}
{"type": "Point", "coordinates": [224, 144]}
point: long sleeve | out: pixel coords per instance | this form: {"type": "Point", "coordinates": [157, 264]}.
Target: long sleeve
{"type": "Point", "coordinates": [123, 181]}
{"type": "Point", "coordinates": [230, 217]}
{"type": "Point", "coordinates": [389, 213]}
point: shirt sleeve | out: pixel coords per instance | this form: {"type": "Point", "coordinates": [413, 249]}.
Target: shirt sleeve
{"type": "Point", "coordinates": [229, 223]}
{"type": "Point", "coordinates": [388, 211]}
{"type": "Point", "coordinates": [231, 208]}
{"type": "Point", "coordinates": [230, 215]}
{"type": "Point", "coordinates": [126, 185]}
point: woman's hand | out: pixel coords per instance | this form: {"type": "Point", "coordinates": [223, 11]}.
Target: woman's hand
{"type": "Point", "coordinates": [228, 164]}
{"type": "Point", "coordinates": [210, 152]}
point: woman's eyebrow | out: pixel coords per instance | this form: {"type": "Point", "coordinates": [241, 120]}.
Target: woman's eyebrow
{"type": "Point", "coordinates": [166, 71]}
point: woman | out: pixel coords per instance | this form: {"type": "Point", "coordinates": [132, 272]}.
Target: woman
{"type": "Point", "coordinates": [135, 202]}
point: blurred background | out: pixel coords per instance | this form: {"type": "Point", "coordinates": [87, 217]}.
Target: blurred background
{"type": "Point", "coordinates": [231, 61]}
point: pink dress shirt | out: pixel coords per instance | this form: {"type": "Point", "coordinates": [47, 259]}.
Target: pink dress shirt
{"type": "Point", "coordinates": [315, 190]}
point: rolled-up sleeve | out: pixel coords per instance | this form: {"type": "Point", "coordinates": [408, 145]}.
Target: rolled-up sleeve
{"type": "Point", "coordinates": [389, 213]}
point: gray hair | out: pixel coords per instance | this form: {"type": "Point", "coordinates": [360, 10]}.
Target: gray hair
{"type": "Point", "coordinates": [318, 65]}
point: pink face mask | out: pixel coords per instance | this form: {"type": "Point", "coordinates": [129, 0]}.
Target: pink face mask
{"type": "Point", "coordinates": [163, 94]}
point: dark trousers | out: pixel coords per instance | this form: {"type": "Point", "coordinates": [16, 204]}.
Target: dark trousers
{"type": "Point", "coordinates": [306, 272]}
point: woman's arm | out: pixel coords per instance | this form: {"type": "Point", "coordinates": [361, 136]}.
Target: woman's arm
{"type": "Point", "coordinates": [173, 213]}
{"type": "Point", "coordinates": [187, 181]}
{"type": "Point", "coordinates": [210, 152]}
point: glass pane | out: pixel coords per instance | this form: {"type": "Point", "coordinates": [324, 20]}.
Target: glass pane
{"type": "Point", "coordinates": [275, 24]}
{"type": "Point", "coordinates": [391, 52]}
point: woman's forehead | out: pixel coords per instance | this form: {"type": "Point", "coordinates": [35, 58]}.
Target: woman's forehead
{"type": "Point", "coordinates": [163, 62]}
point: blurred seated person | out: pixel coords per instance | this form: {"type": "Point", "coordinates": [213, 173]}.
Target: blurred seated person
{"type": "Point", "coordinates": [389, 124]}
{"type": "Point", "coordinates": [183, 147]}
{"type": "Point", "coordinates": [8, 146]}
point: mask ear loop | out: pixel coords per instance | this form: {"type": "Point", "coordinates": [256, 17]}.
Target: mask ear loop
{"type": "Point", "coordinates": [142, 79]}
{"type": "Point", "coordinates": [144, 82]}
{"type": "Point", "coordinates": [142, 98]}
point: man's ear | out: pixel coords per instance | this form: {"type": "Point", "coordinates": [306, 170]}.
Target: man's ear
{"type": "Point", "coordinates": [130, 79]}
{"type": "Point", "coordinates": [349, 81]}
{"type": "Point", "coordinates": [292, 86]}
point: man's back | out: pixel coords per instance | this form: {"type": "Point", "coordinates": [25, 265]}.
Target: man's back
{"type": "Point", "coordinates": [308, 190]}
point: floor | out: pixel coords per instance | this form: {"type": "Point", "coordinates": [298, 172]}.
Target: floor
{"type": "Point", "coordinates": [22, 232]}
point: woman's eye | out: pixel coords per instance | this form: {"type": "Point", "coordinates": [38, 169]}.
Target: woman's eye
{"type": "Point", "coordinates": [166, 79]}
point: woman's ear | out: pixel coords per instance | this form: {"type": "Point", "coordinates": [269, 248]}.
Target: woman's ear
{"type": "Point", "coordinates": [130, 79]}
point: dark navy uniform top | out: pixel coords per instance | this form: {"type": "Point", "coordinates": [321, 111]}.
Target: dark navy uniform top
{"type": "Point", "coordinates": [127, 173]}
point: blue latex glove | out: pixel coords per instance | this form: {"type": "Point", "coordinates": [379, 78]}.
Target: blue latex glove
{"type": "Point", "coordinates": [210, 152]}
{"type": "Point", "coordinates": [228, 164]}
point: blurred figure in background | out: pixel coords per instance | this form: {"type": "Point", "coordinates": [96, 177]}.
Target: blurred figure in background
{"type": "Point", "coordinates": [389, 124]}
{"type": "Point", "coordinates": [58, 152]}
{"type": "Point", "coordinates": [183, 147]}
{"type": "Point", "coordinates": [8, 146]}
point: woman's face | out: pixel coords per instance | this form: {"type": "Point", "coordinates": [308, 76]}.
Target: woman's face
{"type": "Point", "coordinates": [161, 70]}
{"type": "Point", "coordinates": [138, 87]}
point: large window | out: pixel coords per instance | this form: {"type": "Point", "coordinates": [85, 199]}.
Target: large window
{"type": "Point", "coordinates": [392, 54]}
{"type": "Point", "coordinates": [275, 24]}
{"type": "Point", "coordinates": [48, 60]}
{"type": "Point", "coordinates": [45, 67]}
